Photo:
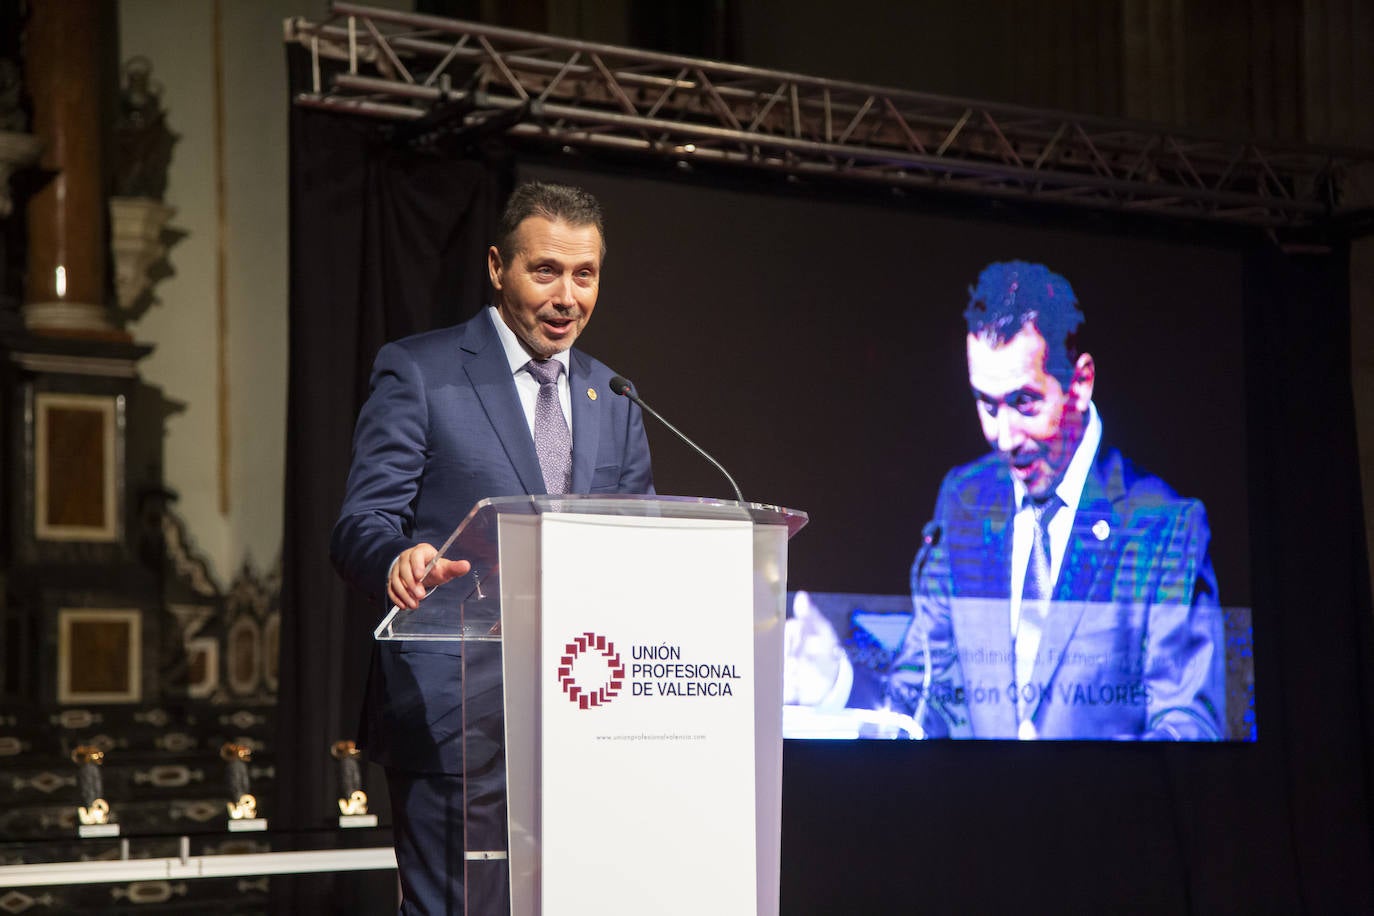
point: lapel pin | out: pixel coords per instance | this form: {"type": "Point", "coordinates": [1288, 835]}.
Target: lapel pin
{"type": "Point", "coordinates": [1101, 529]}
{"type": "Point", "coordinates": [591, 394]}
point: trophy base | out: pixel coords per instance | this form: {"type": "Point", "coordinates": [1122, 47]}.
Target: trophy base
{"type": "Point", "coordinates": [93, 831]}
{"type": "Point", "coordinates": [357, 820]}
{"type": "Point", "coordinates": [247, 825]}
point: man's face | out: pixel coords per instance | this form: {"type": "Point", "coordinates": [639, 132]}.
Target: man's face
{"type": "Point", "coordinates": [547, 292]}
{"type": "Point", "coordinates": [1028, 418]}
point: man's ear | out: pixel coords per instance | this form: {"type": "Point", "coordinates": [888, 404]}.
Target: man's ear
{"type": "Point", "coordinates": [1081, 385]}
{"type": "Point", "coordinates": [494, 267]}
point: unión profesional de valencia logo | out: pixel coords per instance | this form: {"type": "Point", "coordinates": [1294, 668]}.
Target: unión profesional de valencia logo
{"type": "Point", "coordinates": [590, 687]}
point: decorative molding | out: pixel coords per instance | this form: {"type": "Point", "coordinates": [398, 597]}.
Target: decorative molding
{"type": "Point", "coordinates": [271, 652]}
{"type": "Point", "coordinates": [136, 225]}
{"type": "Point", "coordinates": [202, 662]}
{"type": "Point", "coordinates": [99, 655]}
{"type": "Point", "coordinates": [61, 363]}
{"type": "Point", "coordinates": [227, 646]}
{"type": "Point", "coordinates": [17, 150]}
{"type": "Point", "coordinates": [244, 659]}
{"type": "Point", "coordinates": [76, 718]}
{"type": "Point", "coordinates": [256, 593]}
{"type": "Point", "coordinates": [142, 892]}
{"type": "Point", "coordinates": [188, 564]}
{"type": "Point", "coordinates": [77, 467]}
{"type": "Point", "coordinates": [176, 742]}
{"type": "Point", "coordinates": [65, 316]}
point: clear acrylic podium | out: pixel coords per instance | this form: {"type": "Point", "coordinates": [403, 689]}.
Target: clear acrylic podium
{"type": "Point", "coordinates": [639, 645]}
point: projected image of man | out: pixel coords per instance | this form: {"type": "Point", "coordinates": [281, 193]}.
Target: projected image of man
{"type": "Point", "coordinates": [1063, 592]}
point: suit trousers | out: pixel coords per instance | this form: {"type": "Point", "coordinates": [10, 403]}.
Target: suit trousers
{"type": "Point", "coordinates": [427, 814]}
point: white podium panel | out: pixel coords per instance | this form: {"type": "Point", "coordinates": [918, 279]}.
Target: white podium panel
{"type": "Point", "coordinates": [648, 716]}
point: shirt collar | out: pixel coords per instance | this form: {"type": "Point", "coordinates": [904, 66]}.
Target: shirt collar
{"type": "Point", "coordinates": [1070, 488]}
{"type": "Point", "coordinates": [516, 354]}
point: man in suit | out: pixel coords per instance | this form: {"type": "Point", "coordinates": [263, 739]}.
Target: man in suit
{"type": "Point", "coordinates": [498, 405]}
{"type": "Point", "coordinates": [1060, 592]}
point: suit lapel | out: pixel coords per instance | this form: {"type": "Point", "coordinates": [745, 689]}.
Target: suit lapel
{"type": "Point", "coordinates": [1091, 546]}
{"type": "Point", "coordinates": [981, 526]}
{"type": "Point", "coordinates": [586, 421]}
{"type": "Point", "coordinates": [979, 601]}
{"type": "Point", "coordinates": [491, 378]}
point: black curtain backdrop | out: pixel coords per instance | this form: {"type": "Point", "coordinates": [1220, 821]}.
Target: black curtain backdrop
{"type": "Point", "coordinates": [380, 239]}
{"type": "Point", "coordinates": [383, 244]}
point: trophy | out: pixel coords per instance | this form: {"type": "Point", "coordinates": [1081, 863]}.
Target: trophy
{"type": "Point", "coordinates": [352, 798]}
{"type": "Point", "coordinates": [94, 811]}
{"type": "Point", "coordinates": [243, 807]}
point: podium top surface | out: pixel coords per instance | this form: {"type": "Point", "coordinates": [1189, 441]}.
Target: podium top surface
{"type": "Point", "coordinates": [476, 540]}
{"type": "Point", "coordinates": [476, 534]}
{"type": "Point", "coordinates": [641, 506]}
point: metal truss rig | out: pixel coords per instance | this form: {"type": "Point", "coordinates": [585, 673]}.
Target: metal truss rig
{"type": "Point", "coordinates": [442, 75]}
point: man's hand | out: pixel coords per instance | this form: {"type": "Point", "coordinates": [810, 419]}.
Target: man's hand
{"type": "Point", "coordinates": [408, 583]}
{"type": "Point", "coordinates": [811, 655]}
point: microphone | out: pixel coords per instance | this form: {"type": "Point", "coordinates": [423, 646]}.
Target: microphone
{"type": "Point", "coordinates": [621, 386]}
{"type": "Point", "coordinates": [930, 536]}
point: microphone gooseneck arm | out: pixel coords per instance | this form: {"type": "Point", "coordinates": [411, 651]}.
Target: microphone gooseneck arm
{"type": "Point", "coordinates": [621, 386]}
{"type": "Point", "coordinates": [930, 536]}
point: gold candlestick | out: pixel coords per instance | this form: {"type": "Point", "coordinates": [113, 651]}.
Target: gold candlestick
{"type": "Point", "coordinates": [242, 805]}
{"type": "Point", "coordinates": [94, 809]}
{"type": "Point", "coordinates": [352, 798]}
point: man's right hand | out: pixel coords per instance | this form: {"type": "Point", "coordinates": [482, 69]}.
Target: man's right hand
{"type": "Point", "coordinates": [408, 583]}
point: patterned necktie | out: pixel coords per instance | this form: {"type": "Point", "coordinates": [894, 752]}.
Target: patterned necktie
{"type": "Point", "coordinates": [552, 440]}
{"type": "Point", "coordinates": [1035, 600]}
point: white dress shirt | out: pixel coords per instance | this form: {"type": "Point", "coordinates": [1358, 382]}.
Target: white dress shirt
{"type": "Point", "coordinates": [525, 384]}
{"type": "Point", "coordinates": [1070, 491]}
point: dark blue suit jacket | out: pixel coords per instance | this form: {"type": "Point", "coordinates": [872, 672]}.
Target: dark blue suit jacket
{"type": "Point", "coordinates": [1133, 646]}
{"type": "Point", "coordinates": [442, 429]}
